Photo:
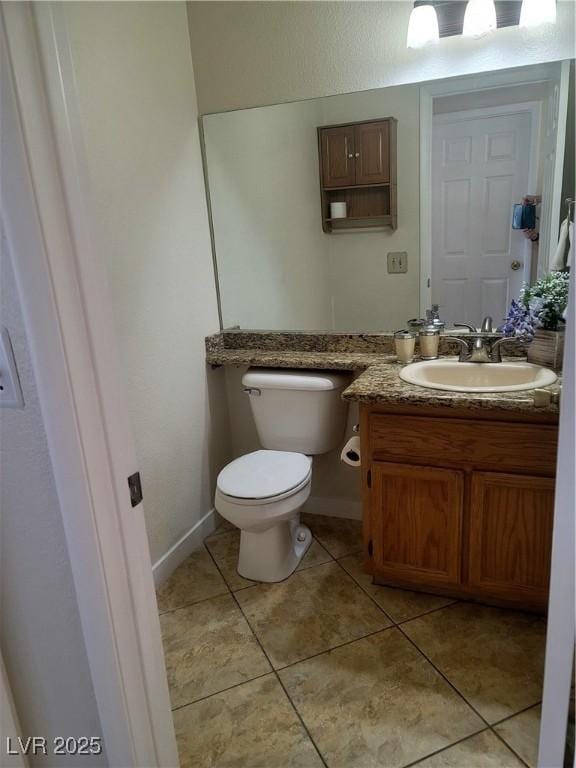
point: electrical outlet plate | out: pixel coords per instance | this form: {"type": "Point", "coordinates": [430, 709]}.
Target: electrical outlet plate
{"type": "Point", "coordinates": [397, 262]}
{"type": "Point", "coordinates": [10, 389]}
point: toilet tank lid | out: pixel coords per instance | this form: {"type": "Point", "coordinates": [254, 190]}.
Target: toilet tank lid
{"type": "Point", "coordinates": [272, 378]}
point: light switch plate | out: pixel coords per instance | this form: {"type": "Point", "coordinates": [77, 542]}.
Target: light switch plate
{"type": "Point", "coordinates": [397, 262]}
{"type": "Point", "coordinates": [10, 389]}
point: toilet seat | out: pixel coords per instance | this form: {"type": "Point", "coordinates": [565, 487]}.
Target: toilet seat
{"type": "Point", "coordinates": [264, 477]}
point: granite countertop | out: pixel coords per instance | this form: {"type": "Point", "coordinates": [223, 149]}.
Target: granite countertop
{"type": "Point", "coordinates": [268, 358]}
{"type": "Point", "coordinates": [381, 383]}
{"type": "Point", "coordinates": [371, 355]}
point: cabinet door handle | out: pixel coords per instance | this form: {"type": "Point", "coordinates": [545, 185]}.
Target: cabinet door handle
{"type": "Point", "coordinates": [350, 155]}
{"type": "Point", "coordinates": [357, 154]}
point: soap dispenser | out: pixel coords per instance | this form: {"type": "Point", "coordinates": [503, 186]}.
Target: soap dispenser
{"type": "Point", "coordinates": [429, 335]}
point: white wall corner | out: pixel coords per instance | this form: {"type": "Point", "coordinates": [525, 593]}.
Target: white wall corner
{"type": "Point", "coordinates": [334, 507]}
{"type": "Point", "coordinates": [192, 540]}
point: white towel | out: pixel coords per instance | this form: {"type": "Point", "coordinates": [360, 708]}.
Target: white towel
{"type": "Point", "coordinates": [558, 261]}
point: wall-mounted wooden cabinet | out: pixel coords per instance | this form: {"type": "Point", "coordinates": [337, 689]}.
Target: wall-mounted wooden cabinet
{"type": "Point", "coordinates": [358, 167]}
{"type": "Point", "coordinates": [459, 506]}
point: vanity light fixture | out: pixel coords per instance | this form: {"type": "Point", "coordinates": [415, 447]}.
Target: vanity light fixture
{"type": "Point", "coordinates": [536, 12]}
{"type": "Point", "coordinates": [423, 25]}
{"type": "Point", "coordinates": [480, 18]}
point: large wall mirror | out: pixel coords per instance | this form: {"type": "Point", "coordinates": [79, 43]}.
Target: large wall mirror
{"type": "Point", "coordinates": [428, 175]}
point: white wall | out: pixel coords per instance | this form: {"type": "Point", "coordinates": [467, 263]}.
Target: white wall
{"type": "Point", "coordinates": [265, 198]}
{"type": "Point", "coordinates": [40, 632]}
{"type": "Point", "coordinates": [135, 87]}
{"type": "Point", "coordinates": [253, 53]}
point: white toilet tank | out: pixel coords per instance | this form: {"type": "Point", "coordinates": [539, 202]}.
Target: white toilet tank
{"type": "Point", "coordinates": [299, 411]}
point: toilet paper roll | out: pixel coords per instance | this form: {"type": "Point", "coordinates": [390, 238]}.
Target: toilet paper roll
{"type": "Point", "coordinates": [338, 210]}
{"type": "Point", "coordinates": [351, 452]}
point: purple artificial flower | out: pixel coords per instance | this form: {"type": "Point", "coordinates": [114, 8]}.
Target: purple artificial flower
{"type": "Point", "coordinates": [520, 321]}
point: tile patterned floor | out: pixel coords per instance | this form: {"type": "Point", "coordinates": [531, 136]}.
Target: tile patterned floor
{"type": "Point", "coordinates": [327, 669]}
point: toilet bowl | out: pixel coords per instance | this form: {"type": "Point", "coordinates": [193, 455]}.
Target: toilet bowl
{"type": "Point", "coordinates": [297, 414]}
{"type": "Point", "coordinates": [262, 494]}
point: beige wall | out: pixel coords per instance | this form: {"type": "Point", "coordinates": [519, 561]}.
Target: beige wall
{"type": "Point", "coordinates": [365, 296]}
{"type": "Point", "coordinates": [254, 53]}
{"type": "Point", "coordinates": [139, 119]}
{"type": "Point", "coordinates": [271, 250]}
{"type": "Point", "coordinates": [276, 267]}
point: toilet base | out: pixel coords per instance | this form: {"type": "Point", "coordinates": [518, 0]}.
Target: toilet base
{"type": "Point", "coordinates": [274, 554]}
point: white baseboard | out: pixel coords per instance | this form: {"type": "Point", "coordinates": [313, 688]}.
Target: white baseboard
{"type": "Point", "coordinates": [336, 507]}
{"type": "Point", "coordinates": [191, 541]}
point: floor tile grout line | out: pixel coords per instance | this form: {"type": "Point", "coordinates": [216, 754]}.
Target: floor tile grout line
{"type": "Point", "coordinates": [301, 719]}
{"type": "Point", "coordinates": [399, 625]}
{"type": "Point", "coordinates": [491, 726]}
{"type": "Point", "coordinates": [280, 683]}
{"type": "Point", "coordinates": [500, 738]}
{"type": "Point", "coordinates": [223, 690]}
{"type": "Point", "coordinates": [444, 677]}
{"type": "Point", "coordinates": [196, 602]}
{"type": "Point", "coordinates": [333, 648]}
{"type": "Point", "coordinates": [274, 672]}
{"type": "Point", "coordinates": [447, 747]}
{"type": "Point", "coordinates": [426, 613]}
{"type": "Point", "coordinates": [394, 622]}
{"type": "Point", "coordinates": [367, 594]}
{"type": "Point", "coordinates": [520, 712]}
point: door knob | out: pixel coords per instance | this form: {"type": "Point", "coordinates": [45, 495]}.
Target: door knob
{"type": "Point", "coordinates": [515, 265]}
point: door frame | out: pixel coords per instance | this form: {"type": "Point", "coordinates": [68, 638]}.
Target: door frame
{"type": "Point", "coordinates": [554, 72]}
{"type": "Point", "coordinates": [531, 108]}
{"type": "Point", "coordinates": [561, 634]}
{"type": "Point", "coordinates": [62, 286]}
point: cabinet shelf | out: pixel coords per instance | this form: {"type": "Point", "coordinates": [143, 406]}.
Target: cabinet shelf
{"type": "Point", "coordinates": [372, 221]}
{"type": "Point", "coordinates": [357, 186]}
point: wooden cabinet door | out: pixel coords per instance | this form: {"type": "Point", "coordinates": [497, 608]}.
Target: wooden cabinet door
{"type": "Point", "coordinates": [416, 520]}
{"type": "Point", "coordinates": [338, 160]}
{"type": "Point", "coordinates": [511, 520]}
{"type": "Point", "coordinates": [373, 153]}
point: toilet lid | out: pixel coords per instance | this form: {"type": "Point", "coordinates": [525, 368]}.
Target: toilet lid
{"type": "Point", "coordinates": [262, 474]}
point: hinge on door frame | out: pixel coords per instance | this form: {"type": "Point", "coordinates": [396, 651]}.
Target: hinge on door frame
{"type": "Point", "coordinates": [135, 486]}
{"type": "Point", "coordinates": [370, 548]}
{"type": "Point", "coordinates": [369, 478]}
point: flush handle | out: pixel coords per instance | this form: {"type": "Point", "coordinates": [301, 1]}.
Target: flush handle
{"type": "Point", "coordinates": [252, 391]}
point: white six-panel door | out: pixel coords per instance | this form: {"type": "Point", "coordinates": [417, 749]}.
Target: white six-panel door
{"type": "Point", "coordinates": [481, 166]}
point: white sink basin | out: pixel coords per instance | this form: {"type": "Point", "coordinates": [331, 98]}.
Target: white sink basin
{"type": "Point", "coordinates": [454, 376]}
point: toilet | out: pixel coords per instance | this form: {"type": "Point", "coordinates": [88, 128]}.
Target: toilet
{"type": "Point", "coordinates": [298, 414]}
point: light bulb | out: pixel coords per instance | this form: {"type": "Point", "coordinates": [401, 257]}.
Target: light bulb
{"type": "Point", "coordinates": [422, 27]}
{"type": "Point", "coordinates": [480, 18]}
{"type": "Point", "coordinates": [536, 12]}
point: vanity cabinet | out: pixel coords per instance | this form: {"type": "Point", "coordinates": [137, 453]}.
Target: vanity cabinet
{"type": "Point", "coordinates": [459, 506]}
{"type": "Point", "coordinates": [358, 167]}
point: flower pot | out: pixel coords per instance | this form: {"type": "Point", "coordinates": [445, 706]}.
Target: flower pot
{"type": "Point", "coordinates": [547, 348]}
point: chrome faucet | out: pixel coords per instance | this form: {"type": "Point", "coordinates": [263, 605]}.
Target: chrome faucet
{"type": "Point", "coordinates": [480, 349]}
{"type": "Point", "coordinates": [480, 346]}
